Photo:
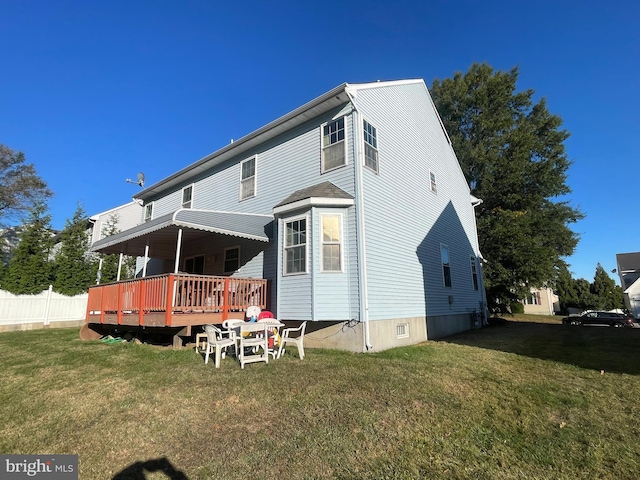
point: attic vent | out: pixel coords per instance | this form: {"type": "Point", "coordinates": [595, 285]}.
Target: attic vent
{"type": "Point", "coordinates": [402, 330]}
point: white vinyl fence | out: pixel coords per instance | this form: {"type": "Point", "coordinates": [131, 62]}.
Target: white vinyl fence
{"type": "Point", "coordinates": [45, 309]}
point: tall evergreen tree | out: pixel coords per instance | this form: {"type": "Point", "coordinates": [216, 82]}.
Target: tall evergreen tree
{"type": "Point", "coordinates": [30, 268]}
{"type": "Point", "coordinates": [609, 294]}
{"type": "Point", "coordinates": [75, 269]}
{"type": "Point", "coordinates": [512, 153]}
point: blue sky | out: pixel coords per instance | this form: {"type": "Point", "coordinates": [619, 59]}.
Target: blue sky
{"type": "Point", "coordinates": [95, 91]}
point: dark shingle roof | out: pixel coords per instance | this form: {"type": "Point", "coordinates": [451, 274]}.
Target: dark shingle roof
{"type": "Point", "coordinates": [321, 190]}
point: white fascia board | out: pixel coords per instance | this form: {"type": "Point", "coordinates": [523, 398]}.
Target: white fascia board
{"type": "Point", "coordinates": [314, 202]}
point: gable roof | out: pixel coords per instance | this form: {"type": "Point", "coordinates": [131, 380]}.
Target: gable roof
{"type": "Point", "coordinates": [320, 105]}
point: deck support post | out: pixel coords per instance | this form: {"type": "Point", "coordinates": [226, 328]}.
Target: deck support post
{"type": "Point", "coordinates": [146, 259]}
{"type": "Point", "coordinates": [178, 248]}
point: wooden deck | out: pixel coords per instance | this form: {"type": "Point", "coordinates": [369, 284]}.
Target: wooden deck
{"type": "Point", "coordinates": [174, 300]}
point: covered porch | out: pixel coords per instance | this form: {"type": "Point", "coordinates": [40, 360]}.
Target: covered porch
{"type": "Point", "coordinates": [185, 277]}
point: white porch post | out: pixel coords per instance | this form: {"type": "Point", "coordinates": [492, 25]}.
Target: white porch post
{"type": "Point", "coordinates": [119, 267]}
{"type": "Point", "coordinates": [146, 259]}
{"type": "Point", "coordinates": [178, 248]}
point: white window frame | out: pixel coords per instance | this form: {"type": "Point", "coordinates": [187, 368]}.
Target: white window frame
{"type": "Point", "coordinates": [340, 242]}
{"type": "Point", "coordinates": [190, 201]}
{"type": "Point", "coordinates": [250, 179]}
{"type": "Point", "coordinates": [323, 146]}
{"type": "Point", "coordinates": [402, 330]}
{"type": "Point", "coordinates": [366, 133]}
{"type": "Point", "coordinates": [475, 281]}
{"type": "Point", "coordinates": [433, 181]}
{"type": "Point", "coordinates": [193, 257]}
{"type": "Point", "coordinates": [224, 258]}
{"type": "Point", "coordinates": [148, 212]}
{"type": "Point", "coordinates": [285, 247]}
{"type": "Point", "coordinates": [446, 266]}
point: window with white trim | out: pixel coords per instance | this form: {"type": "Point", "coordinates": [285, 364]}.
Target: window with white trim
{"type": "Point", "coordinates": [370, 135]}
{"type": "Point", "coordinates": [331, 241]}
{"type": "Point", "coordinates": [474, 272]}
{"type": "Point", "coordinates": [187, 195]}
{"type": "Point", "coordinates": [446, 266]}
{"type": "Point", "coordinates": [533, 299]}
{"type": "Point", "coordinates": [295, 246]}
{"type": "Point", "coordinates": [148, 212]}
{"type": "Point", "coordinates": [334, 152]}
{"type": "Point", "coordinates": [194, 264]}
{"type": "Point", "coordinates": [402, 330]}
{"type": "Point", "coordinates": [248, 178]}
{"type": "Point", "coordinates": [231, 259]}
{"type": "Point", "coordinates": [432, 181]}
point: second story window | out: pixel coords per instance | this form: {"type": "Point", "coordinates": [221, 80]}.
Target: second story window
{"type": "Point", "coordinates": [248, 178]}
{"type": "Point", "coordinates": [432, 181]}
{"type": "Point", "coordinates": [148, 212]}
{"type": "Point", "coordinates": [187, 193]}
{"type": "Point", "coordinates": [333, 145]}
{"type": "Point", "coordinates": [370, 146]}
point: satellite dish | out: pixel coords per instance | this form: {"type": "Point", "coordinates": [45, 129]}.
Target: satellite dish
{"type": "Point", "coordinates": [139, 181]}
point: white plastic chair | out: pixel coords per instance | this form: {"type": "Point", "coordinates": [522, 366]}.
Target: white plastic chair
{"type": "Point", "coordinates": [216, 342]}
{"type": "Point", "coordinates": [298, 340]}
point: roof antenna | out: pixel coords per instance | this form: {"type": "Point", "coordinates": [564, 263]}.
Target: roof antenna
{"type": "Point", "coordinates": [140, 180]}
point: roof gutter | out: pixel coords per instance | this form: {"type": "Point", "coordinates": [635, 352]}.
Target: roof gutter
{"type": "Point", "coordinates": [362, 251]}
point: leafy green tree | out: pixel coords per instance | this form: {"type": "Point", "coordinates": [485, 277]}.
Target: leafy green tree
{"type": "Point", "coordinates": [75, 269]}
{"type": "Point", "coordinates": [512, 153]}
{"type": "Point", "coordinates": [30, 267]}
{"type": "Point", "coordinates": [21, 189]}
{"type": "Point", "coordinates": [608, 294]}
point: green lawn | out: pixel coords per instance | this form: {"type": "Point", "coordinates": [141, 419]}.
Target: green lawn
{"type": "Point", "coordinates": [527, 399]}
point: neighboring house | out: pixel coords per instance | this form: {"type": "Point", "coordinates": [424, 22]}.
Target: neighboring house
{"type": "Point", "coordinates": [542, 301]}
{"type": "Point", "coordinates": [629, 272]}
{"type": "Point", "coordinates": [128, 216]}
{"type": "Point", "coordinates": [353, 208]}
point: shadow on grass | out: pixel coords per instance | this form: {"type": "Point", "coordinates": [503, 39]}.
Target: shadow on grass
{"type": "Point", "coordinates": [591, 347]}
{"type": "Point", "coordinates": [139, 470]}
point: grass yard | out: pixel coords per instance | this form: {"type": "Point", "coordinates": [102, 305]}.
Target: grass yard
{"type": "Point", "coordinates": [529, 399]}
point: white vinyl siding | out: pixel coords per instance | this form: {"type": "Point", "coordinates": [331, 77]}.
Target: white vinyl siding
{"type": "Point", "coordinates": [334, 153]}
{"type": "Point", "coordinates": [248, 178]}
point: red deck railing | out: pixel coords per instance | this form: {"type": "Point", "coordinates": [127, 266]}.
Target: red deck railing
{"type": "Point", "coordinates": [176, 293]}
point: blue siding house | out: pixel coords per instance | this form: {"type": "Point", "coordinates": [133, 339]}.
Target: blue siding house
{"type": "Point", "coordinates": [353, 207]}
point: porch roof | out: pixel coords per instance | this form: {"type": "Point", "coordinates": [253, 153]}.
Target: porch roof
{"type": "Point", "coordinates": [161, 233]}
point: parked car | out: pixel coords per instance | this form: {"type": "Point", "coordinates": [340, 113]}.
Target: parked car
{"type": "Point", "coordinates": [600, 318]}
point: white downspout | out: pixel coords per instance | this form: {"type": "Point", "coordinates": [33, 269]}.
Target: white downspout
{"type": "Point", "coordinates": [362, 251]}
